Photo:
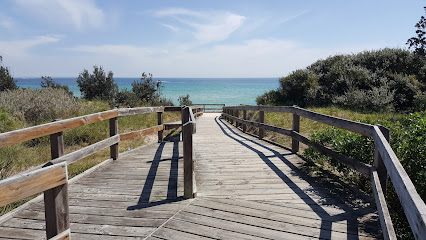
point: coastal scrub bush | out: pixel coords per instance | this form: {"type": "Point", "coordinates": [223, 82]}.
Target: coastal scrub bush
{"type": "Point", "coordinates": [184, 100]}
{"type": "Point", "coordinates": [6, 80]}
{"type": "Point", "coordinates": [36, 106]}
{"type": "Point", "coordinates": [147, 90]}
{"type": "Point", "coordinates": [382, 80]}
{"type": "Point", "coordinates": [97, 85]}
{"type": "Point", "coordinates": [127, 98]}
{"type": "Point", "coordinates": [407, 139]}
{"type": "Point", "coordinates": [47, 82]}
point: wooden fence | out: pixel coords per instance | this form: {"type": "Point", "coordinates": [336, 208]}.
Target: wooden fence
{"type": "Point", "coordinates": [210, 107]}
{"type": "Point", "coordinates": [385, 161]}
{"type": "Point", "coordinates": [52, 177]}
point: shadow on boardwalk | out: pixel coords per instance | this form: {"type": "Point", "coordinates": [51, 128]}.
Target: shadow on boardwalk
{"type": "Point", "coordinates": [351, 210]}
{"type": "Point", "coordinates": [172, 194]}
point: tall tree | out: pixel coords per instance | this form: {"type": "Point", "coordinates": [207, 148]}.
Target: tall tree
{"type": "Point", "coordinates": [6, 80]}
{"type": "Point", "coordinates": [97, 85]}
{"type": "Point", "coordinates": [419, 43]}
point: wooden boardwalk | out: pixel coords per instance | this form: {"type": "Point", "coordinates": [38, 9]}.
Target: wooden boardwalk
{"type": "Point", "coordinates": [246, 189]}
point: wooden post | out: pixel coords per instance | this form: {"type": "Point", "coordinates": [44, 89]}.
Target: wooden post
{"type": "Point", "coordinates": [245, 118]}
{"type": "Point", "coordinates": [261, 120]}
{"type": "Point", "coordinates": [378, 162]}
{"type": "Point", "coordinates": [113, 130]}
{"type": "Point", "coordinates": [188, 166]}
{"type": "Point", "coordinates": [296, 128]}
{"type": "Point", "coordinates": [237, 114]}
{"type": "Point", "coordinates": [56, 208]}
{"type": "Point", "coordinates": [160, 122]}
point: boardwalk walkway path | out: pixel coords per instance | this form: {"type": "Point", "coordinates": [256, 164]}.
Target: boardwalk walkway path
{"type": "Point", "coordinates": [246, 189]}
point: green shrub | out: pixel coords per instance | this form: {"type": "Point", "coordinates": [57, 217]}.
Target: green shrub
{"type": "Point", "coordinates": [36, 106]}
{"type": "Point", "coordinates": [6, 80]}
{"type": "Point", "coordinates": [126, 98]}
{"type": "Point", "coordinates": [47, 82]}
{"type": "Point", "coordinates": [97, 85]}
{"type": "Point", "coordinates": [184, 100]}
{"type": "Point", "coordinates": [386, 80]}
{"type": "Point", "coordinates": [407, 138]}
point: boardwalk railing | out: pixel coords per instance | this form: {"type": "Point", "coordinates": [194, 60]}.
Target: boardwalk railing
{"type": "Point", "coordinates": [52, 178]}
{"type": "Point", "coordinates": [385, 161]}
{"type": "Point", "coordinates": [210, 107]}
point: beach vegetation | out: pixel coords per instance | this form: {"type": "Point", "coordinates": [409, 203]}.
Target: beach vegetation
{"type": "Point", "coordinates": [97, 85]}
{"type": "Point", "coordinates": [385, 80]}
{"type": "Point", "coordinates": [418, 43]}
{"type": "Point", "coordinates": [184, 100]}
{"type": "Point", "coordinates": [48, 82]}
{"type": "Point", "coordinates": [6, 80]}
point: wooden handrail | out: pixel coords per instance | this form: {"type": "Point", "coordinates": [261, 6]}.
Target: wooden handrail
{"type": "Point", "coordinates": [413, 205]}
{"type": "Point", "coordinates": [46, 179]}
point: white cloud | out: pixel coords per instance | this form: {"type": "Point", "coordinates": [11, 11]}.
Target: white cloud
{"type": "Point", "coordinates": [20, 48]}
{"type": "Point", "coordinates": [171, 27]}
{"type": "Point", "coordinates": [6, 22]}
{"type": "Point", "coordinates": [206, 26]}
{"type": "Point", "coordinates": [81, 14]}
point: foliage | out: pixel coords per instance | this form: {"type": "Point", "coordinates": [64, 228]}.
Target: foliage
{"type": "Point", "coordinates": [148, 90]}
{"type": "Point", "coordinates": [407, 138]}
{"type": "Point", "coordinates": [35, 106]}
{"type": "Point", "coordinates": [47, 82]}
{"type": "Point", "coordinates": [97, 85]}
{"type": "Point", "coordinates": [7, 121]}
{"type": "Point", "coordinates": [383, 80]}
{"type": "Point", "coordinates": [419, 43]}
{"type": "Point", "coordinates": [127, 98]}
{"type": "Point", "coordinates": [184, 100]}
{"type": "Point", "coordinates": [6, 80]}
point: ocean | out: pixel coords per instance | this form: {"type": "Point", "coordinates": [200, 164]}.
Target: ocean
{"type": "Point", "coordinates": [229, 91]}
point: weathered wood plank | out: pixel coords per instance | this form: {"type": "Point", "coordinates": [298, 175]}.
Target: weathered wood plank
{"type": "Point", "coordinates": [413, 205]}
{"type": "Point", "coordinates": [172, 125]}
{"type": "Point", "coordinates": [140, 133]}
{"type": "Point", "coordinates": [382, 208]}
{"type": "Point", "coordinates": [29, 133]}
{"type": "Point", "coordinates": [86, 151]}
{"type": "Point", "coordinates": [113, 130]}
{"type": "Point", "coordinates": [27, 184]}
{"type": "Point", "coordinates": [296, 128]}
{"type": "Point", "coordinates": [139, 110]}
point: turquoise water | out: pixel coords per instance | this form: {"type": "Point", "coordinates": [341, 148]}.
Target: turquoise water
{"type": "Point", "coordinates": [230, 91]}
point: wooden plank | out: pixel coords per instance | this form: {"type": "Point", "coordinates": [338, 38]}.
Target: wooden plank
{"type": "Point", "coordinates": [357, 127]}
{"type": "Point", "coordinates": [56, 199]}
{"type": "Point", "coordinates": [140, 133]}
{"type": "Point", "coordinates": [65, 235]}
{"type": "Point", "coordinates": [86, 151]}
{"type": "Point", "coordinates": [296, 128]}
{"type": "Point", "coordinates": [27, 184]}
{"type": "Point", "coordinates": [379, 164]}
{"type": "Point", "coordinates": [413, 205]}
{"type": "Point", "coordinates": [173, 109]}
{"type": "Point", "coordinates": [160, 122]}
{"type": "Point", "coordinates": [188, 165]}
{"type": "Point", "coordinates": [138, 110]}
{"type": "Point", "coordinates": [172, 125]}
{"type": "Point", "coordinates": [29, 133]}
{"type": "Point", "coordinates": [382, 208]}
{"type": "Point", "coordinates": [359, 166]}
{"type": "Point", "coordinates": [113, 130]}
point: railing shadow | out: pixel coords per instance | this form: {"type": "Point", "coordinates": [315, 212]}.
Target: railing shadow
{"type": "Point", "coordinates": [326, 219]}
{"type": "Point", "coordinates": [172, 188]}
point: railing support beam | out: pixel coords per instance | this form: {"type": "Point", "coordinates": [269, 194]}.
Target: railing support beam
{"type": "Point", "coordinates": [188, 164]}
{"type": "Point", "coordinates": [379, 164]}
{"type": "Point", "coordinates": [56, 207]}
{"type": "Point", "coordinates": [245, 118]}
{"type": "Point", "coordinates": [296, 128]}
{"type": "Point", "coordinates": [113, 130]}
{"type": "Point", "coordinates": [160, 122]}
{"type": "Point", "coordinates": [261, 120]}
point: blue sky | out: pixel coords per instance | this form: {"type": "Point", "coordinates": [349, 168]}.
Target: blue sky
{"type": "Point", "coordinates": [197, 38]}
